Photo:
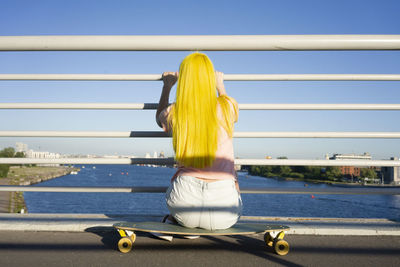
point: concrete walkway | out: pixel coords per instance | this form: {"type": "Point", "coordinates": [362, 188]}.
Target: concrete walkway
{"type": "Point", "coordinates": [299, 226]}
{"type": "Point", "coordinates": [99, 249]}
{"type": "Point", "coordinates": [89, 240]}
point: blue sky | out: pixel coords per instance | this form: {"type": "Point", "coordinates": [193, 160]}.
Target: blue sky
{"type": "Point", "coordinates": [200, 18]}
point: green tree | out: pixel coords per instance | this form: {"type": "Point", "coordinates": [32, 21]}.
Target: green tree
{"type": "Point", "coordinates": [19, 155]}
{"type": "Point", "coordinates": [7, 152]}
{"type": "Point", "coordinates": [254, 170]}
{"type": "Point", "coordinates": [296, 175]}
{"type": "Point", "coordinates": [284, 170]}
{"type": "Point", "coordinates": [4, 168]}
{"type": "Point", "coordinates": [312, 172]}
{"type": "Point", "coordinates": [368, 173]}
{"type": "Point", "coordinates": [333, 172]}
{"type": "Point", "coordinates": [266, 171]}
{"type": "Point", "coordinates": [299, 169]}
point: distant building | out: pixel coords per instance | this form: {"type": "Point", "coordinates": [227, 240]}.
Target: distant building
{"type": "Point", "coordinates": [43, 155]}
{"type": "Point", "coordinates": [365, 156]}
{"type": "Point", "coordinates": [391, 175]}
{"type": "Point", "coordinates": [21, 147]}
{"type": "Point", "coordinates": [111, 156]}
{"type": "Point", "coordinates": [350, 171]}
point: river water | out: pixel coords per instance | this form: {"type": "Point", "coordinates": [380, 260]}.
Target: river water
{"type": "Point", "coordinates": [291, 205]}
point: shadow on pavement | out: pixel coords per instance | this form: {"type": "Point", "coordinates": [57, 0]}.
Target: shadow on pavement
{"type": "Point", "coordinates": [242, 244]}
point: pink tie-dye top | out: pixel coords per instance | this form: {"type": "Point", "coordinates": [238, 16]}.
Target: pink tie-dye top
{"type": "Point", "coordinates": [223, 166]}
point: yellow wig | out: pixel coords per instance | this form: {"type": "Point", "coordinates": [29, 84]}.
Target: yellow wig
{"type": "Point", "coordinates": [194, 116]}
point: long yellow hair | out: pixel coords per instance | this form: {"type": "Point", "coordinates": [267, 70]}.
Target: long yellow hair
{"type": "Point", "coordinates": [194, 116]}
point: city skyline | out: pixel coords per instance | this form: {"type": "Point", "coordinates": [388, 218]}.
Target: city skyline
{"type": "Point", "coordinates": [209, 18]}
{"type": "Point", "coordinates": [22, 147]}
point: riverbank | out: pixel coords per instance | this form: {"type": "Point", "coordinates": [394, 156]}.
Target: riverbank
{"type": "Point", "coordinates": [314, 174]}
{"type": "Point", "coordinates": [13, 202]}
{"type": "Point", "coordinates": [316, 181]}
{"type": "Point", "coordinates": [305, 180]}
{"type": "Point", "coordinates": [329, 182]}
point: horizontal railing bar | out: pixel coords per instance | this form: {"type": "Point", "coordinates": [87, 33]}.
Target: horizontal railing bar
{"type": "Point", "coordinates": [85, 77]}
{"type": "Point", "coordinates": [307, 162]}
{"type": "Point", "coordinates": [153, 106]}
{"type": "Point", "coordinates": [383, 135]}
{"type": "Point", "coordinates": [115, 106]}
{"type": "Point", "coordinates": [150, 134]}
{"type": "Point", "coordinates": [319, 106]}
{"type": "Point", "coordinates": [227, 77]}
{"type": "Point", "coordinates": [80, 134]}
{"type": "Point", "coordinates": [170, 161]}
{"type": "Point", "coordinates": [243, 190]}
{"type": "Point", "coordinates": [198, 42]}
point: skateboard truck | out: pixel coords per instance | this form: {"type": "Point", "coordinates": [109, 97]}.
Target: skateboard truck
{"type": "Point", "coordinates": [127, 239]}
{"type": "Point", "coordinates": [275, 240]}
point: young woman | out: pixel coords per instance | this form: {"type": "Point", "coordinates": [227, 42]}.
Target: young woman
{"type": "Point", "coordinates": [204, 192]}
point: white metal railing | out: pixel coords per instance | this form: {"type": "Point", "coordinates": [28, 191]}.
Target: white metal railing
{"type": "Point", "coordinates": [170, 161]}
{"type": "Point", "coordinates": [243, 190]}
{"type": "Point", "coordinates": [139, 106]}
{"type": "Point", "coordinates": [227, 77]}
{"type": "Point", "coordinates": [199, 42]}
{"type": "Point", "coordinates": [141, 134]}
{"type": "Point", "coordinates": [180, 43]}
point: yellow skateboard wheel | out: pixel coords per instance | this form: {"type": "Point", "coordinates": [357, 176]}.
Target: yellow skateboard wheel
{"type": "Point", "coordinates": [281, 247]}
{"type": "Point", "coordinates": [125, 244]}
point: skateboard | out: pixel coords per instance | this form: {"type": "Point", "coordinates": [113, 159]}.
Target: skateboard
{"type": "Point", "coordinates": [273, 233]}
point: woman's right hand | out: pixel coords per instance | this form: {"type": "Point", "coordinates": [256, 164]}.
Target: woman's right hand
{"type": "Point", "coordinates": [219, 79]}
{"type": "Point", "coordinates": [169, 79]}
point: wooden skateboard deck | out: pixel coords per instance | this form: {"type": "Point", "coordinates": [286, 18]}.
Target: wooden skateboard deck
{"type": "Point", "coordinates": [273, 233]}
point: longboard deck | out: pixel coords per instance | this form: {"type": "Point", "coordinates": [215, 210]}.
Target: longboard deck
{"type": "Point", "coordinates": [237, 229]}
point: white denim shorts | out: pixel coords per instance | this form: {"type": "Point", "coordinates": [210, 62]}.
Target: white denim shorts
{"type": "Point", "coordinates": [196, 203]}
